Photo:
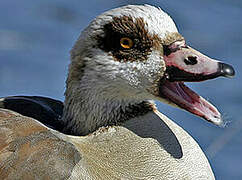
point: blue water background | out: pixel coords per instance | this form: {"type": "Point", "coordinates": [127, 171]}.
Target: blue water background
{"type": "Point", "coordinates": [36, 36]}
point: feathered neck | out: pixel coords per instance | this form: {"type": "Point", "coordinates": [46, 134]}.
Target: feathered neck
{"type": "Point", "coordinates": [85, 112]}
{"type": "Point", "coordinates": [91, 103]}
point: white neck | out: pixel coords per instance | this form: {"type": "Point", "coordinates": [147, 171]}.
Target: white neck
{"type": "Point", "coordinates": [93, 105]}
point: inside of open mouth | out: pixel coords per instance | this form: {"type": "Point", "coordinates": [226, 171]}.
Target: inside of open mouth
{"type": "Point", "coordinates": [185, 98]}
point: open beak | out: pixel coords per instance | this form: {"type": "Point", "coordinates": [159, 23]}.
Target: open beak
{"type": "Point", "coordinates": [184, 64]}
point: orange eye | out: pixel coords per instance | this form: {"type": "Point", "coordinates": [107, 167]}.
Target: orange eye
{"type": "Point", "coordinates": [126, 43]}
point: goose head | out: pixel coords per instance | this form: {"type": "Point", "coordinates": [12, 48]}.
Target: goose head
{"type": "Point", "coordinates": [131, 55]}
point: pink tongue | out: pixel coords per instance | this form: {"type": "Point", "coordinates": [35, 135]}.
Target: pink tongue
{"type": "Point", "coordinates": [187, 99]}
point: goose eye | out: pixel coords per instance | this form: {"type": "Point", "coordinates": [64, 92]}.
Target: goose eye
{"type": "Point", "coordinates": [126, 43]}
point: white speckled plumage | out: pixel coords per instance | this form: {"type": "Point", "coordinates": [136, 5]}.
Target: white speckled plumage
{"type": "Point", "coordinates": [157, 21]}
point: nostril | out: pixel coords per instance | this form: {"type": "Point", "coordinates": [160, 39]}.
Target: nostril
{"type": "Point", "coordinates": [190, 60]}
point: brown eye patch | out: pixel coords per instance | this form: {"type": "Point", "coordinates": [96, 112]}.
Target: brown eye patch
{"type": "Point", "coordinates": [118, 37]}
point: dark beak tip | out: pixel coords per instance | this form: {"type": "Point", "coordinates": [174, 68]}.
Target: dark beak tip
{"type": "Point", "coordinates": [227, 70]}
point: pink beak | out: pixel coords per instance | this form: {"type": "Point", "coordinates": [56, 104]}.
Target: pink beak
{"type": "Point", "coordinates": [184, 64]}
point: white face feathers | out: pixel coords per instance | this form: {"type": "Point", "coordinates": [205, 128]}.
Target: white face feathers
{"type": "Point", "coordinates": [102, 61]}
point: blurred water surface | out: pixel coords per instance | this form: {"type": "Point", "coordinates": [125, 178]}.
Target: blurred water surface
{"type": "Point", "coordinates": [36, 36]}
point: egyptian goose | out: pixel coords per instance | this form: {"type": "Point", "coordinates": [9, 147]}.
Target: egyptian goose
{"type": "Point", "coordinates": [108, 126]}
